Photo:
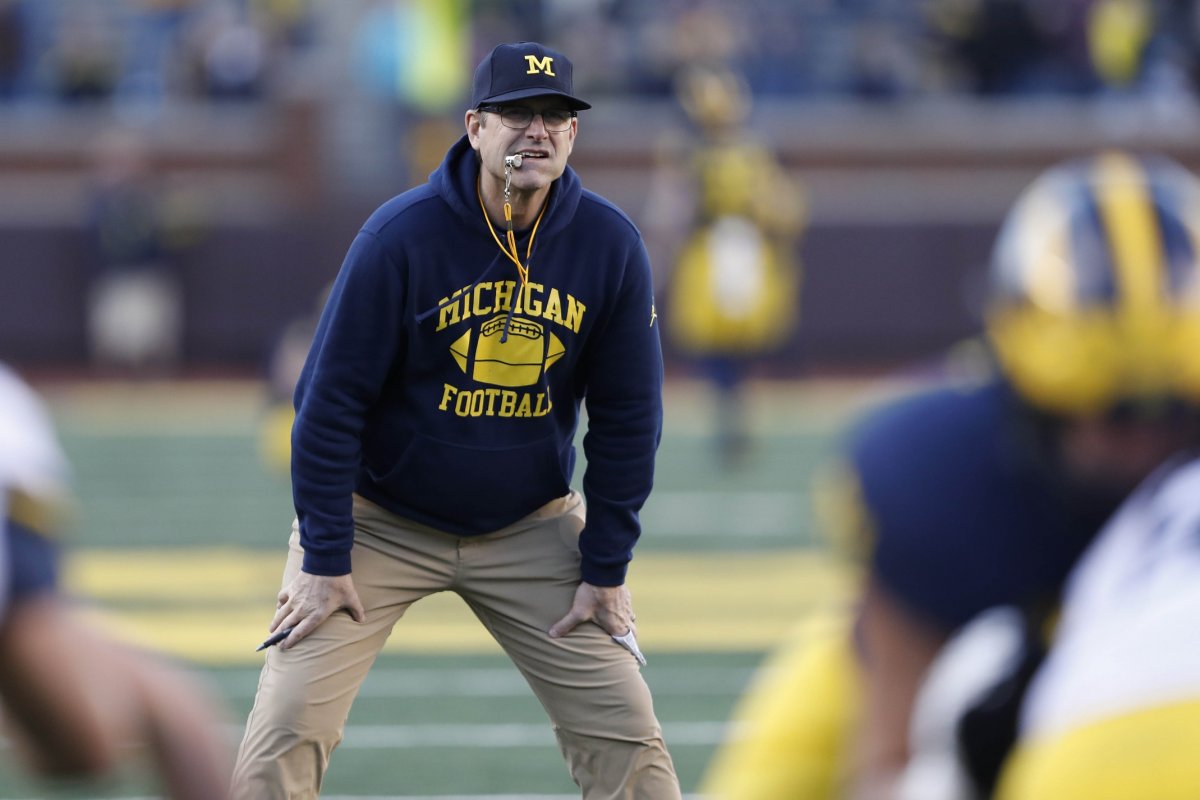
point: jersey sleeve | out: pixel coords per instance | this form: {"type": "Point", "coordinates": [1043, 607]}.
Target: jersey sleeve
{"type": "Point", "coordinates": [31, 563]}
{"type": "Point", "coordinates": [33, 493]}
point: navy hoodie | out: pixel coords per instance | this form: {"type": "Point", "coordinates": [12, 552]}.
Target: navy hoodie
{"type": "Point", "coordinates": [441, 389]}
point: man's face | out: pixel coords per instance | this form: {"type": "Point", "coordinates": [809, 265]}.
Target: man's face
{"type": "Point", "coordinates": [544, 152]}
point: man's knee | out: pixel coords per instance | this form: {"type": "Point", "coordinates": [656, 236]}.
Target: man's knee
{"type": "Point", "coordinates": [606, 768]}
{"type": "Point", "coordinates": [276, 763]}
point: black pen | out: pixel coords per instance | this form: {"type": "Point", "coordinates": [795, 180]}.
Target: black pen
{"type": "Point", "coordinates": [276, 638]}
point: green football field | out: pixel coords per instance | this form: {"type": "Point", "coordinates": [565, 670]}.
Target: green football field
{"type": "Point", "coordinates": [178, 542]}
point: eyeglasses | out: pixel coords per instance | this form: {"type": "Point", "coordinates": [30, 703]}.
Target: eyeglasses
{"type": "Point", "coordinates": [556, 120]}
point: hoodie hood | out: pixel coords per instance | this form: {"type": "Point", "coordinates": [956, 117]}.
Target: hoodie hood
{"type": "Point", "coordinates": [455, 180]}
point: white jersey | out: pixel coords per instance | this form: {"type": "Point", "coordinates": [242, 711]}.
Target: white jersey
{"type": "Point", "coordinates": [1127, 639]}
{"type": "Point", "coordinates": [32, 464]}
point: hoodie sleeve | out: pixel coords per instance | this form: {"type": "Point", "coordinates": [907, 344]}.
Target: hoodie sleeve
{"type": "Point", "coordinates": [354, 349]}
{"type": "Point", "coordinates": [624, 408]}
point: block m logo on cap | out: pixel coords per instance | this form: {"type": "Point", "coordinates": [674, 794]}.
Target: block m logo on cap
{"type": "Point", "coordinates": [545, 65]}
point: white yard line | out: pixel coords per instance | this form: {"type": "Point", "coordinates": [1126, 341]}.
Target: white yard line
{"type": "Point", "coordinates": [409, 797]}
{"type": "Point", "coordinates": [501, 735]}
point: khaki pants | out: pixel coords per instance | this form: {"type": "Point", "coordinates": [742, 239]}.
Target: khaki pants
{"type": "Point", "coordinates": [518, 581]}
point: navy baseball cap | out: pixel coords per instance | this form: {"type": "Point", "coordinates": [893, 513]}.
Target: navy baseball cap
{"type": "Point", "coordinates": [520, 70]}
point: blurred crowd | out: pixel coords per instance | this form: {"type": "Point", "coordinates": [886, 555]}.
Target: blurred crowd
{"type": "Point", "coordinates": [76, 50]}
{"type": "Point", "coordinates": [881, 49]}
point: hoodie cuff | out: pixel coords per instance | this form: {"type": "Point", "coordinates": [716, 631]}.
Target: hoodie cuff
{"type": "Point", "coordinates": [603, 574]}
{"type": "Point", "coordinates": [327, 564]}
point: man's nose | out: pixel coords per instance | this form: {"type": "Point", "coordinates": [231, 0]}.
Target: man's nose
{"type": "Point", "coordinates": [537, 126]}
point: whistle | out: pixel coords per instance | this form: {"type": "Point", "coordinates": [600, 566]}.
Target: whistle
{"type": "Point", "coordinates": [513, 161]}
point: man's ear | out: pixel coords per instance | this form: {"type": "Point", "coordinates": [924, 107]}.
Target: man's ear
{"type": "Point", "coordinates": [473, 121]}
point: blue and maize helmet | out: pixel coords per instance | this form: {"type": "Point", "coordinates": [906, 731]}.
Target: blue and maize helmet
{"type": "Point", "coordinates": [1094, 299]}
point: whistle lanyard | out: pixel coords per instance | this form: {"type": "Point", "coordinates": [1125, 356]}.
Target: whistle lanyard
{"type": "Point", "coordinates": [509, 246]}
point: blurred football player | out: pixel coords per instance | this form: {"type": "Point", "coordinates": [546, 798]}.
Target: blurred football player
{"type": "Point", "coordinates": [984, 492]}
{"type": "Point", "coordinates": [74, 700]}
{"type": "Point", "coordinates": [1114, 712]}
{"type": "Point", "coordinates": [734, 289]}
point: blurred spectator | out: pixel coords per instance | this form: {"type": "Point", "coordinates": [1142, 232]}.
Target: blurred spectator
{"type": "Point", "coordinates": [993, 45]}
{"type": "Point", "coordinates": [792, 53]}
{"type": "Point", "coordinates": [153, 37]}
{"type": "Point", "coordinates": [409, 60]}
{"type": "Point", "coordinates": [230, 53]}
{"type": "Point", "coordinates": [1119, 32]}
{"type": "Point", "coordinates": [13, 46]}
{"type": "Point", "coordinates": [87, 57]}
{"type": "Point", "coordinates": [1068, 66]}
{"type": "Point", "coordinates": [286, 22]}
{"type": "Point", "coordinates": [1162, 41]}
{"type": "Point", "coordinates": [284, 366]}
{"type": "Point", "coordinates": [135, 304]}
{"type": "Point", "coordinates": [883, 66]}
{"type": "Point", "coordinates": [734, 290]}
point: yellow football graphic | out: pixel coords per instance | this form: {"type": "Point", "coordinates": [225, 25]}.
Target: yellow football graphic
{"type": "Point", "coordinates": [515, 360]}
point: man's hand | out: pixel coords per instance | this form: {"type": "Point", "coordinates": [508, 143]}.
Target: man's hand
{"type": "Point", "coordinates": [308, 601]}
{"type": "Point", "coordinates": [610, 607]}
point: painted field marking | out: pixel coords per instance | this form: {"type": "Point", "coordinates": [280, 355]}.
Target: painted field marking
{"type": "Point", "coordinates": [213, 606]}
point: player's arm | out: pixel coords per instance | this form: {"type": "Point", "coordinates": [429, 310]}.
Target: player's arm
{"type": "Point", "coordinates": [47, 698]}
{"type": "Point", "coordinates": [75, 699]}
{"type": "Point", "coordinates": [79, 699]}
{"type": "Point", "coordinates": [896, 648]}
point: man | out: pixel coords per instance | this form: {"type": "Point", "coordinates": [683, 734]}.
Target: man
{"type": "Point", "coordinates": [985, 491]}
{"type": "Point", "coordinates": [432, 448]}
{"type": "Point", "coordinates": [73, 699]}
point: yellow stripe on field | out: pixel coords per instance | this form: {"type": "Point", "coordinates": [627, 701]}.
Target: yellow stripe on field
{"type": "Point", "coordinates": [213, 605]}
